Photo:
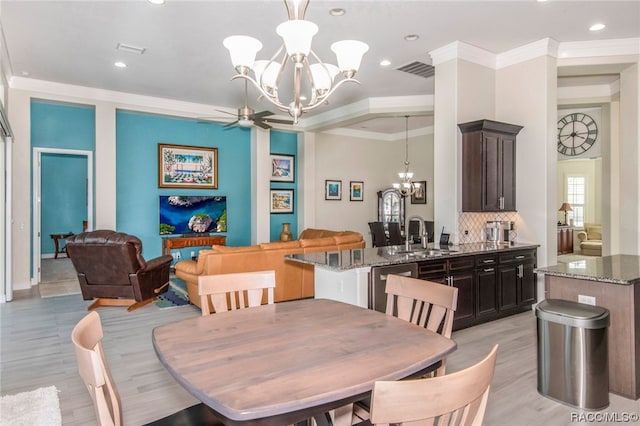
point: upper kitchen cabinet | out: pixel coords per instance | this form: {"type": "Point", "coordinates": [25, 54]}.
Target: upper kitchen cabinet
{"type": "Point", "coordinates": [488, 166]}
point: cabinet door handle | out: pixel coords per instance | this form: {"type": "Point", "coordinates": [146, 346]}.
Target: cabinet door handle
{"type": "Point", "coordinates": [501, 203]}
{"type": "Point", "coordinates": [488, 261]}
{"type": "Point", "coordinates": [520, 257]}
{"type": "Point", "coordinates": [489, 270]}
{"type": "Point", "coordinates": [520, 271]}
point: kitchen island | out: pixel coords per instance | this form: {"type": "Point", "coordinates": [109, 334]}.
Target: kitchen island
{"type": "Point", "coordinates": [493, 280]}
{"type": "Point", "coordinates": [612, 282]}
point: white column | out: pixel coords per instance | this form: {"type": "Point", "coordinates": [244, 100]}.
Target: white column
{"type": "Point", "coordinates": [260, 162]}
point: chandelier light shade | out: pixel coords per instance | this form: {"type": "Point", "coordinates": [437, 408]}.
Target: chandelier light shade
{"type": "Point", "coordinates": [297, 36]}
{"type": "Point", "coordinates": [406, 187]}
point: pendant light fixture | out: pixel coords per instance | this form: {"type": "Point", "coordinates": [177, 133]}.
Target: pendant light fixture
{"type": "Point", "coordinates": [406, 187]}
{"type": "Point", "coordinates": [317, 77]}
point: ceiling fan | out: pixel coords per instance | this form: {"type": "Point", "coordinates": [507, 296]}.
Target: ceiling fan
{"type": "Point", "coordinates": [247, 116]}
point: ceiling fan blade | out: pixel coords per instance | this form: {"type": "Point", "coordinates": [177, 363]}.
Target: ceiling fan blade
{"type": "Point", "coordinates": [277, 120]}
{"type": "Point", "coordinates": [262, 124]}
{"type": "Point", "coordinates": [262, 114]}
{"type": "Point", "coordinates": [231, 124]}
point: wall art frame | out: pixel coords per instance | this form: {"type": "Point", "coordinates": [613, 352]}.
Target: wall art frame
{"type": "Point", "coordinates": [281, 201]}
{"type": "Point", "coordinates": [356, 190]}
{"type": "Point", "coordinates": [420, 194]}
{"type": "Point", "coordinates": [181, 166]}
{"type": "Point", "coordinates": [283, 168]}
{"type": "Point", "coordinates": [333, 189]}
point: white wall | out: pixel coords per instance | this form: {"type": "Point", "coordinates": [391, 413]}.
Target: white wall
{"type": "Point", "coordinates": [374, 162]}
{"type": "Point", "coordinates": [592, 170]}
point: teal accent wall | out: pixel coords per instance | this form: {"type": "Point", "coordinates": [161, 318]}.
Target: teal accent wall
{"type": "Point", "coordinates": [137, 192]}
{"type": "Point", "coordinates": [64, 177]}
{"type": "Point", "coordinates": [285, 143]}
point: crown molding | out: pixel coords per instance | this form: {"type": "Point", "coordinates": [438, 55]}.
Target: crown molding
{"type": "Point", "coordinates": [540, 48]}
{"type": "Point", "coordinates": [599, 91]}
{"type": "Point", "coordinates": [69, 92]}
{"type": "Point", "coordinates": [388, 137]}
{"type": "Point", "coordinates": [591, 48]}
{"type": "Point", "coordinates": [461, 50]}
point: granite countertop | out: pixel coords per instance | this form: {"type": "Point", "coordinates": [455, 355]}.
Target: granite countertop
{"type": "Point", "coordinates": [618, 269]}
{"type": "Point", "coordinates": [394, 255]}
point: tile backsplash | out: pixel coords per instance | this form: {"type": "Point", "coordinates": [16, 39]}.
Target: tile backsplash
{"type": "Point", "coordinates": [471, 225]}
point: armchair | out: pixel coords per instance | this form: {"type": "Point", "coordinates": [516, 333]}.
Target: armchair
{"type": "Point", "coordinates": [591, 239]}
{"type": "Point", "coordinates": [111, 269]}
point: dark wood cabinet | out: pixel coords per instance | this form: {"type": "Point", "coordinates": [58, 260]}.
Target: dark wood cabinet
{"type": "Point", "coordinates": [516, 281]}
{"type": "Point", "coordinates": [488, 166]}
{"type": "Point", "coordinates": [490, 286]}
{"type": "Point", "coordinates": [486, 286]}
{"type": "Point", "coordinates": [169, 243]}
{"type": "Point", "coordinates": [565, 240]}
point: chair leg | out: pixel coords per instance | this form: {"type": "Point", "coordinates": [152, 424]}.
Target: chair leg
{"type": "Point", "coordinates": [137, 305]}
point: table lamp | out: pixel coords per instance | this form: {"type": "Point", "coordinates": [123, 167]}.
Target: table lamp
{"type": "Point", "coordinates": [565, 207]}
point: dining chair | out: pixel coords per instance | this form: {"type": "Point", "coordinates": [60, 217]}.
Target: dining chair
{"type": "Point", "coordinates": [424, 303]}
{"type": "Point", "coordinates": [224, 290]}
{"type": "Point", "coordinates": [459, 398]}
{"type": "Point", "coordinates": [395, 234]}
{"type": "Point", "coordinates": [378, 236]}
{"type": "Point", "coordinates": [92, 364]}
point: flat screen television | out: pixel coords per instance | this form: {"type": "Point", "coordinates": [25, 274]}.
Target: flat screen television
{"type": "Point", "coordinates": [192, 215]}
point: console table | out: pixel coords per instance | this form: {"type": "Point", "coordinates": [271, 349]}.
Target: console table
{"type": "Point", "coordinates": [56, 238]}
{"type": "Point", "coordinates": [169, 243]}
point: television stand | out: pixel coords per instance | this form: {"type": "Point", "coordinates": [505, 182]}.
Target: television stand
{"type": "Point", "coordinates": [169, 243]}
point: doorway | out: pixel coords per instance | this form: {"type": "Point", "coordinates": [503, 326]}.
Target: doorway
{"type": "Point", "coordinates": [62, 202]}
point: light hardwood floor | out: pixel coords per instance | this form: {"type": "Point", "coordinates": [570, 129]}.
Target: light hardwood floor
{"type": "Point", "coordinates": [35, 351]}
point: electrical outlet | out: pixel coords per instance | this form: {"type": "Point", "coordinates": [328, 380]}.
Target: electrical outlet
{"type": "Point", "coordinates": [173, 255]}
{"type": "Point", "coordinates": [588, 300]}
{"type": "Point", "coordinates": [178, 256]}
{"type": "Point", "coordinates": [466, 232]}
{"type": "Point", "coordinates": [193, 254]}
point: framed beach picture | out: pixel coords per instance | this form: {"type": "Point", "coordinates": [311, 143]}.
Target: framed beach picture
{"type": "Point", "coordinates": [420, 196]}
{"type": "Point", "coordinates": [333, 190]}
{"type": "Point", "coordinates": [182, 166]}
{"type": "Point", "coordinates": [281, 201]}
{"type": "Point", "coordinates": [282, 168]}
{"type": "Point", "coordinates": [356, 191]}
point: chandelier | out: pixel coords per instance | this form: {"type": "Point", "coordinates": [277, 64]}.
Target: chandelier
{"type": "Point", "coordinates": [297, 34]}
{"type": "Point", "coordinates": [406, 187]}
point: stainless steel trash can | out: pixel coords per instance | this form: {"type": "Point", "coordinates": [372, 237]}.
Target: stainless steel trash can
{"type": "Point", "coordinates": [573, 365]}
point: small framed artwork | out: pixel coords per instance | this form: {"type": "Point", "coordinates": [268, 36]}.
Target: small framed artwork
{"type": "Point", "coordinates": [356, 191]}
{"type": "Point", "coordinates": [282, 168]}
{"type": "Point", "coordinates": [281, 201]}
{"type": "Point", "coordinates": [182, 166]}
{"type": "Point", "coordinates": [333, 190]}
{"type": "Point", "coordinates": [420, 195]}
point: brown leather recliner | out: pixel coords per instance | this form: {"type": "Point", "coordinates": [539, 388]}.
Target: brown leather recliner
{"type": "Point", "coordinates": [111, 269]}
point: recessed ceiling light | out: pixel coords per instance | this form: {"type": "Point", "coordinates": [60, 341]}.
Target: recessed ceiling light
{"type": "Point", "coordinates": [120, 64]}
{"type": "Point", "coordinates": [385, 62]}
{"type": "Point", "coordinates": [156, 1]}
{"type": "Point", "coordinates": [411, 37]}
{"type": "Point", "coordinates": [597, 27]}
{"type": "Point", "coordinates": [338, 11]}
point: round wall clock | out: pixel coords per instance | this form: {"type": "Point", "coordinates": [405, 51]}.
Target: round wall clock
{"type": "Point", "coordinates": [577, 132]}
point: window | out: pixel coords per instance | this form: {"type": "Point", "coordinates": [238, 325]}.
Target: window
{"type": "Point", "coordinates": [576, 198]}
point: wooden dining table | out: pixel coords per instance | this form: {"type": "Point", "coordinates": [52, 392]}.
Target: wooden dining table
{"type": "Point", "coordinates": [282, 363]}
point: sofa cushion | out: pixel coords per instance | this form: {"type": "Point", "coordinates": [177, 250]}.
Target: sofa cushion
{"type": "Point", "coordinates": [317, 242]}
{"type": "Point", "coordinates": [278, 245]}
{"type": "Point", "coordinates": [314, 233]}
{"type": "Point", "coordinates": [347, 237]}
{"type": "Point", "coordinates": [594, 231]}
{"type": "Point", "coordinates": [187, 266]}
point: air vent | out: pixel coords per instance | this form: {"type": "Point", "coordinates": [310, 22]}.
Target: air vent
{"type": "Point", "coordinates": [418, 68]}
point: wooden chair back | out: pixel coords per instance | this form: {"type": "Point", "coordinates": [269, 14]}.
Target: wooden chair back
{"type": "Point", "coordinates": [239, 290]}
{"type": "Point", "coordinates": [424, 303]}
{"type": "Point", "coordinates": [87, 339]}
{"type": "Point", "coordinates": [378, 236]}
{"type": "Point", "coordinates": [454, 399]}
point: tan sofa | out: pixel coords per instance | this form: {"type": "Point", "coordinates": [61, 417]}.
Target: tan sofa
{"type": "Point", "coordinates": [294, 280]}
{"type": "Point", "coordinates": [591, 239]}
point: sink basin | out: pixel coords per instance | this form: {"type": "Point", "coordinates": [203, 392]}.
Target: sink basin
{"type": "Point", "coordinates": [422, 252]}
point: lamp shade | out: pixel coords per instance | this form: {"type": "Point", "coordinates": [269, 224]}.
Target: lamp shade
{"type": "Point", "coordinates": [268, 76]}
{"type": "Point", "coordinates": [349, 54]}
{"type": "Point", "coordinates": [297, 36]}
{"type": "Point", "coordinates": [323, 75]}
{"type": "Point", "coordinates": [565, 207]}
{"type": "Point", "coordinates": [243, 50]}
